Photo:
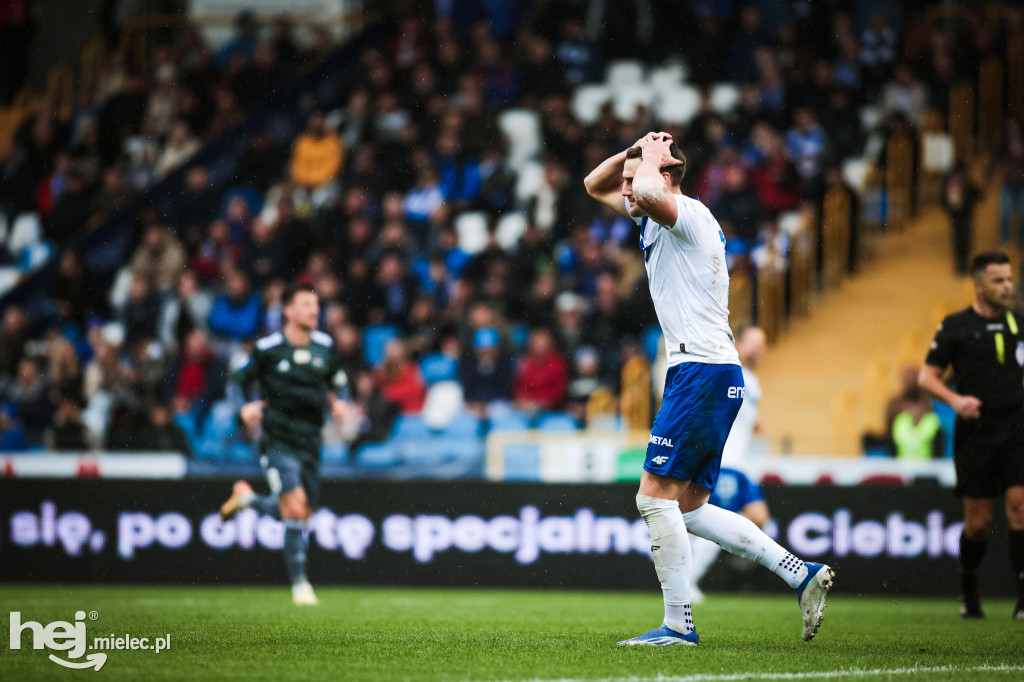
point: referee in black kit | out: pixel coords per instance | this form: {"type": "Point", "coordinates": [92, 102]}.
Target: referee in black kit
{"type": "Point", "coordinates": [985, 345]}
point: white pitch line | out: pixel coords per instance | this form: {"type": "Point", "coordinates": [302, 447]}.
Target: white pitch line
{"type": "Point", "coordinates": [824, 674]}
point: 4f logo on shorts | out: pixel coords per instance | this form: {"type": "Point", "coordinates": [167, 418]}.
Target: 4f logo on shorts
{"type": "Point", "coordinates": [658, 440]}
{"type": "Point", "coordinates": [659, 460]}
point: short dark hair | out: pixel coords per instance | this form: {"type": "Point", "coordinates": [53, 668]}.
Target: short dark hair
{"type": "Point", "coordinates": [294, 288]}
{"type": "Point", "coordinates": [985, 259]}
{"type": "Point", "coordinates": [675, 173]}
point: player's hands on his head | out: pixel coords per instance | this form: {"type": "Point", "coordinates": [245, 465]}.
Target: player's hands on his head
{"type": "Point", "coordinates": [967, 406]}
{"type": "Point", "coordinates": [252, 413]}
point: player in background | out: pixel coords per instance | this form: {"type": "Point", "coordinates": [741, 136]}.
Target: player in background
{"type": "Point", "coordinates": [735, 491]}
{"type": "Point", "coordinates": [985, 345]}
{"type": "Point", "coordinates": [684, 251]}
{"type": "Point", "coordinates": [292, 368]}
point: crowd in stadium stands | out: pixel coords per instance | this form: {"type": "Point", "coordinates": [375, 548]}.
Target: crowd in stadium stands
{"type": "Point", "coordinates": [364, 206]}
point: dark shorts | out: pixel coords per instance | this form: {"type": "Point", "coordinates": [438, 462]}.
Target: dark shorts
{"type": "Point", "coordinates": [689, 431]}
{"type": "Point", "coordinates": [989, 454]}
{"type": "Point", "coordinates": [735, 491]}
{"type": "Point", "coordinates": [286, 472]}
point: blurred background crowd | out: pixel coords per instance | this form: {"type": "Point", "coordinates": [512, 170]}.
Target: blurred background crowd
{"type": "Point", "coordinates": [446, 256]}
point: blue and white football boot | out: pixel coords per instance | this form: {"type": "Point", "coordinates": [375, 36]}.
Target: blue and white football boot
{"type": "Point", "coordinates": [811, 597]}
{"type": "Point", "coordinates": [662, 637]}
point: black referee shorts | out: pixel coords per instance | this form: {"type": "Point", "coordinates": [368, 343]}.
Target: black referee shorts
{"type": "Point", "coordinates": [989, 453]}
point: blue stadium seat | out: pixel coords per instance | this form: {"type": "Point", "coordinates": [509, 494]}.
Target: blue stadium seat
{"type": "Point", "coordinates": [409, 427]}
{"type": "Point", "coordinates": [510, 421]}
{"type": "Point", "coordinates": [947, 417]}
{"type": "Point", "coordinates": [520, 335]}
{"type": "Point", "coordinates": [438, 367]}
{"type": "Point", "coordinates": [652, 341]}
{"type": "Point", "coordinates": [220, 423]}
{"type": "Point", "coordinates": [464, 425]}
{"type": "Point", "coordinates": [557, 423]}
{"type": "Point", "coordinates": [375, 337]}
{"type": "Point", "coordinates": [420, 269]}
{"type": "Point", "coordinates": [334, 453]}
{"type": "Point", "coordinates": [377, 455]}
{"type": "Point", "coordinates": [522, 462]}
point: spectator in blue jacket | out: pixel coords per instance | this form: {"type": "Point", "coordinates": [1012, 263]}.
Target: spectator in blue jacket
{"type": "Point", "coordinates": [236, 312]}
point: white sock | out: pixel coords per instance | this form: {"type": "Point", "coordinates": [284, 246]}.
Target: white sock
{"type": "Point", "coordinates": [737, 534]}
{"type": "Point", "coordinates": [704, 554]}
{"type": "Point", "coordinates": [670, 547]}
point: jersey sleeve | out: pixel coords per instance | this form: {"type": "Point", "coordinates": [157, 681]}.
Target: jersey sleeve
{"type": "Point", "coordinates": [940, 353]}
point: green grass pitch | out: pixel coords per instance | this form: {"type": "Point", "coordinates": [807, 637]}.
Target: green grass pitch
{"type": "Point", "coordinates": [255, 634]}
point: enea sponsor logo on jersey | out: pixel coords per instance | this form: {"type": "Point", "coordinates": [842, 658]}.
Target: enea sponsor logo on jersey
{"type": "Point", "coordinates": [658, 440]}
{"type": "Point", "coordinates": [738, 392]}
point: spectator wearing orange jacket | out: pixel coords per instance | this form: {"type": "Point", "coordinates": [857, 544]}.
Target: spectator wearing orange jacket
{"type": "Point", "coordinates": [316, 160]}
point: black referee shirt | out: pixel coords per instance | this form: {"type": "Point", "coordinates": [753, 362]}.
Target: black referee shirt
{"type": "Point", "coordinates": [987, 354]}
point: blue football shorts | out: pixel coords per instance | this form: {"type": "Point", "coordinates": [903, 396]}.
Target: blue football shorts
{"type": "Point", "coordinates": [735, 491]}
{"type": "Point", "coordinates": [700, 404]}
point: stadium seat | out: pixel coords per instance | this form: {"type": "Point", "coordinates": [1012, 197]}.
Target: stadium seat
{"type": "Point", "coordinates": [438, 367]}
{"type": "Point", "coordinates": [510, 228]}
{"type": "Point", "coordinates": [334, 453]}
{"type": "Point", "coordinates": [34, 255]}
{"type": "Point", "coordinates": [529, 182]}
{"type": "Point", "coordinates": [25, 231]}
{"type": "Point", "coordinates": [251, 197]}
{"type": "Point", "coordinates": [444, 400]}
{"type": "Point", "coordinates": [409, 427]}
{"type": "Point", "coordinates": [522, 128]}
{"type": "Point", "coordinates": [724, 97]}
{"type": "Point", "coordinates": [588, 100]}
{"type": "Point", "coordinates": [855, 172]}
{"type": "Point", "coordinates": [947, 417]}
{"type": "Point", "coordinates": [790, 222]}
{"type": "Point", "coordinates": [652, 341]}
{"type": "Point", "coordinates": [464, 426]}
{"type": "Point", "coordinates": [522, 462]}
{"type": "Point", "coordinates": [377, 455]}
{"type": "Point", "coordinates": [520, 333]}
{"type": "Point", "coordinates": [869, 117]}
{"type": "Point", "coordinates": [509, 420]}
{"type": "Point", "coordinates": [624, 73]}
{"type": "Point", "coordinates": [8, 278]}
{"type": "Point", "coordinates": [219, 424]}
{"type": "Point", "coordinates": [375, 338]}
{"type": "Point", "coordinates": [678, 105]}
{"type": "Point", "coordinates": [667, 76]}
{"type": "Point", "coordinates": [556, 423]}
{"type": "Point", "coordinates": [471, 227]}
{"type": "Point", "coordinates": [628, 98]}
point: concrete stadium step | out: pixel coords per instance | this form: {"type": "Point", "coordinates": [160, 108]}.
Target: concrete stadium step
{"type": "Point", "coordinates": [845, 358]}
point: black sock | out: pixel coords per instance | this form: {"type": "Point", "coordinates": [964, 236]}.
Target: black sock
{"type": "Point", "coordinates": [1017, 560]}
{"type": "Point", "coordinates": [971, 553]}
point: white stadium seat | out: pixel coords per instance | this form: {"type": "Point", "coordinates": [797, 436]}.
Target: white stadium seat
{"type": "Point", "coordinates": [530, 180]}
{"type": "Point", "coordinates": [678, 105]}
{"type": "Point", "coordinates": [790, 221]}
{"type": "Point", "coordinates": [624, 73]}
{"type": "Point", "coordinates": [26, 231]}
{"type": "Point", "coordinates": [8, 278]}
{"type": "Point", "coordinates": [510, 228]}
{"type": "Point", "coordinates": [628, 99]}
{"type": "Point", "coordinates": [724, 97]}
{"type": "Point", "coordinates": [869, 117]}
{"type": "Point", "coordinates": [522, 128]}
{"type": "Point", "coordinates": [855, 173]}
{"type": "Point", "coordinates": [667, 76]}
{"type": "Point", "coordinates": [472, 230]}
{"type": "Point", "coordinates": [588, 100]}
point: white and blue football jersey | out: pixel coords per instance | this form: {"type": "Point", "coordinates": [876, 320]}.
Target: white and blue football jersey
{"type": "Point", "coordinates": [689, 282]}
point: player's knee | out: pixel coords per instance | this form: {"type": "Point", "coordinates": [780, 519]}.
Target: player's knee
{"type": "Point", "coordinates": [978, 525]}
{"type": "Point", "coordinates": [294, 507]}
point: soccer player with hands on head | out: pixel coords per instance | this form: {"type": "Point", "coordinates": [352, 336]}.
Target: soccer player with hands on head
{"type": "Point", "coordinates": [684, 252]}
